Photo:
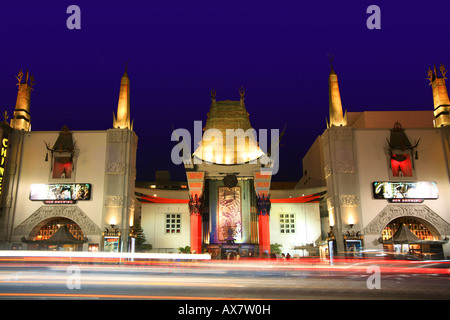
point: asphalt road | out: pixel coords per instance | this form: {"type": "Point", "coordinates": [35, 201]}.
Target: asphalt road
{"type": "Point", "coordinates": [223, 281]}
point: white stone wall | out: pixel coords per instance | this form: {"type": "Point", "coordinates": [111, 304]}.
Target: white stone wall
{"type": "Point", "coordinates": [373, 165]}
{"type": "Point", "coordinates": [153, 224]}
{"type": "Point", "coordinates": [90, 168]}
{"type": "Point", "coordinates": [307, 226]}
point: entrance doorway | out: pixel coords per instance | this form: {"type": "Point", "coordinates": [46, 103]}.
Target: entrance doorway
{"type": "Point", "coordinates": [56, 234]}
{"type": "Point", "coordinates": [411, 237]}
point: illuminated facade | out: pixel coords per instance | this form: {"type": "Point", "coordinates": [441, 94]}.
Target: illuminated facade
{"type": "Point", "coordinates": [230, 205]}
{"type": "Point", "coordinates": [384, 170]}
{"type": "Point", "coordinates": [68, 190]}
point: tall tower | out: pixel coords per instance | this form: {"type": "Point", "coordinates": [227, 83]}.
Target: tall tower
{"type": "Point", "coordinates": [121, 149]}
{"type": "Point", "coordinates": [337, 119]}
{"type": "Point", "coordinates": [123, 108]}
{"type": "Point", "coordinates": [440, 96]}
{"type": "Point", "coordinates": [21, 118]}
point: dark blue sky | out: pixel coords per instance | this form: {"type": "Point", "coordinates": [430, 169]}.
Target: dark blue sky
{"type": "Point", "coordinates": [179, 50]}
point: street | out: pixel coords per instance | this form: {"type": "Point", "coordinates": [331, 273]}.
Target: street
{"type": "Point", "coordinates": [229, 280]}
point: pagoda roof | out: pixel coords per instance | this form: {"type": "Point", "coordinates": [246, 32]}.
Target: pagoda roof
{"type": "Point", "coordinates": [64, 143]}
{"type": "Point", "coordinates": [60, 237]}
{"type": "Point", "coordinates": [398, 138]}
{"type": "Point", "coordinates": [404, 236]}
{"type": "Point", "coordinates": [224, 115]}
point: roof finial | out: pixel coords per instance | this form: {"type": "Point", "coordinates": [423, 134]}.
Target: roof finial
{"type": "Point", "coordinates": [213, 93]}
{"type": "Point", "coordinates": [443, 71]}
{"type": "Point", "coordinates": [5, 115]}
{"type": "Point", "coordinates": [126, 68]}
{"type": "Point", "coordinates": [331, 58]}
{"type": "Point", "coordinates": [242, 92]}
{"type": "Point", "coordinates": [430, 75]}
{"type": "Point", "coordinates": [19, 77]}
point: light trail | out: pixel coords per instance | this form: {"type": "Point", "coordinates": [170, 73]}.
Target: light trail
{"type": "Point", "coordinates": [119, 296]}
{"type": "Point", "coordinates": [102, 255]}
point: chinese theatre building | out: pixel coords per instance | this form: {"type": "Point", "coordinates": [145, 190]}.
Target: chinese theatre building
{"type": "Point", "coordinates": [387, 176]}
{"type": "Point", "coordinates": [229, 206]}
{"type": "Point", "coordinates": [67, 190]}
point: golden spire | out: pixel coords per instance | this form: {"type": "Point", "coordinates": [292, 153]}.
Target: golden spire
{"type": "Point", "coordinates": [21, 117]}
{"type": "Point", "coordinates": [441, 100]}
{"type": "Point", "coordinates": [123, 108]}
{"type": "Point", "coordinates": [336, 116]}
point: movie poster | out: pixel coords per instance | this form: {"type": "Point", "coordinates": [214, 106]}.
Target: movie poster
{"type": "Point", "coordinates": [60, 192]}
{"type": "Point", "coordinates": [405, 190]}
{"type": "Point", "coordinates": [230, 217]}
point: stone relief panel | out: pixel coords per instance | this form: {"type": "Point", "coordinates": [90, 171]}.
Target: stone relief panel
{"type": "Point", "coordinates": [6, 201]}
{"type": "Point", "coordinates": [345, 166]}
{"type": "Point", "coordinates": [131, 203]}
{"type": "Point", "coordinates": [330, 203]}
{"type": "Point", "coordinates": [115, 167]}
{"type": "Point", "coordinates": [343, 133]}
{"type": "Point", "coordinates": [326, 171]}
{"type": "Point", "coordinates": [391, 212]}
{"type": "Point", "coordinates": [114, 201]}
{"type": "Point", "coordinates": [48, 212]}
{"type": "Point", "coordinates": [348, 200]}
{"type": "Point", "coordinates": [117, 136]}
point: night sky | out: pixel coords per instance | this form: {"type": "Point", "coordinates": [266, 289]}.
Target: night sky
{"type": "Point", "coordinates": [177, 51]}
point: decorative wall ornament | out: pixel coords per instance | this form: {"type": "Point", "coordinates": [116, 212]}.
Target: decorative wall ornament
{"type": "Point", "coordinates": [348, 200]}
{"type": "Point", "coordinates": [131, 203]}
{"type": "Point", "coordinates": [117, 135]}
{"type": "Point", "coordinates": [263, 205]}
{"type": "Point", "coordinates": [113, 201]}
{"type": "Point", "coordinates": [115, 167]}
{"type": "Point", "coordinates": [330, 203]}
{"type": "Point", "coordinates": [50, 212]}
{"type": "Point", "coordinates": [341, 133]}
{"type": "Point", "coordinates": [345, 167]}
{"type": "Point", "coordinates": [327, 171]}
{"type": "Point", "coordinates": [195, 205]}
{"type": "Point", "coordinates": [7, 200]}
{"type": "Point", "coordinates": [394, 211]}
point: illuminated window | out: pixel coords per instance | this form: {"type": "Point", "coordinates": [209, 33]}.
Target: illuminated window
{"type": "Point", "coordinates": [414, 225]}
{"type": "Point", "coordinates": [401, 165]}
{"type": "Point", "coordinates": [287, 223]}
{"type": "Point", "coordinates": [62, 168]}
{"type": "Point", "coordinates": [173, 223]}
{"type": "Point", "coordinates": [50, 228]}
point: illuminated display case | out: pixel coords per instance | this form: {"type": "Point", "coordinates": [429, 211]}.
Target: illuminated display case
{"type": "Point", "coordinates": [405, 191]}
{"type": "Point", "coordinates": [60, 193]}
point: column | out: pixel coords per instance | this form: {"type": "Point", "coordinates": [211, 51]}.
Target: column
{"type": "Point", "coordinates": [263, 205]}
{"type": "Point", "coordinates": [196, 224]}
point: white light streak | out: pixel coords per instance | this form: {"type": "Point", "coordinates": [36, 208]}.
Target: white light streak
{"type": "Point", "coordinates": [109, 255]}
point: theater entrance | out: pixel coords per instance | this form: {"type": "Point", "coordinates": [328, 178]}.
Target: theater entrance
{"type": "Point", "coordinates": [56, 234]}
{"type": "Point", "coordinates": [409, 237]}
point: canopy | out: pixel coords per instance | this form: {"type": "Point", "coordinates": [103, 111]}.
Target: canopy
{"type": "Point", "coordinates": [60, 237]}
{"type": "Point", "coordinates": [405, 236]}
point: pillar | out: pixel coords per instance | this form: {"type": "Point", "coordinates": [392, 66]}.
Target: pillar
{"type": "Point", "coordinates": [263, 205]}
{"type": "Point", "coordinates": [196, 224]}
